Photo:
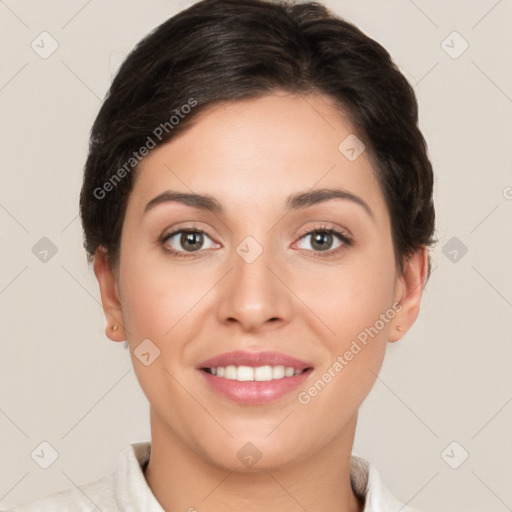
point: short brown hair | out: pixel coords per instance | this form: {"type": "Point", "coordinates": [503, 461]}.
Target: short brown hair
{"type": "Point", "coordinates": [228, 50]}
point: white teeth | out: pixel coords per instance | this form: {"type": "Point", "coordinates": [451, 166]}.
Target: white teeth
{"type": "Point", "coordinates": [244, 373]}
{"type": "Point", "coordinates": [278, 372]}
{"type": "Point", "coordinates": [288, 372]}
{"type": "Point", "coordinates": [263, 373]}
{"type": "Point", "coordinates": [258, 374]}
{"type": "Point", "coordinates": [230, 372]}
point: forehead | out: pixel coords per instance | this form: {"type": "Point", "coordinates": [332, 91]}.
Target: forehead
{"type": "Point", "coordinates": [254, 152]}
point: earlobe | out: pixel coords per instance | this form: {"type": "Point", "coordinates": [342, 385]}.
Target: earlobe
{"type": "Point", "coordinates": [412, 281]}
{"type": "Point", "coordinates": [109, 291]}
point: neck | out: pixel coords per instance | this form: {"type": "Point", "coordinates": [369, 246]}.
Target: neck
{"type": "Point", "coordinates": [183, 480]}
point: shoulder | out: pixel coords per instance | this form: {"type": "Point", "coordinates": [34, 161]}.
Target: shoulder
{"type": "Point", "coordinates": [368, 484]}
{"type": "Point", "coordinates": [124, 489]}
{"type": "Point", "coordinates": [92, 496]}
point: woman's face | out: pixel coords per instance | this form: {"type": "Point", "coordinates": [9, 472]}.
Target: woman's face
{"type": "Point", "coordinates": [249, 278]}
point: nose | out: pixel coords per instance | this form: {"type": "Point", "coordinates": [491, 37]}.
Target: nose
{"type": "Point", "coordinates": [254, 294]}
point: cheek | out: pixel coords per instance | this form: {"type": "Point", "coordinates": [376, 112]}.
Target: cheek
{"type": "Point", "coordinates": [351, 298]}
{"type": "Point", "coordinates": [150, 305]}
{"type": "Point", "coordinates": [355, 304]}
{"type": "Point", "coordinates": [357, 307]}
{"type": "Point", "coordinates": [166, 304]}
{"type": "Point", "coordinates": [155, 301]}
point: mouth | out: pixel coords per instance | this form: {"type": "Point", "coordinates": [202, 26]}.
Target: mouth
{"type": "Point", "coordinates": [256, 374]}
{"type": "Point", "coordinates": [254, 377]}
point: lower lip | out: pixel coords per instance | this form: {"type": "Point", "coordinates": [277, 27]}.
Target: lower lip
{"type": "Point", "coordinates": [253, 392]}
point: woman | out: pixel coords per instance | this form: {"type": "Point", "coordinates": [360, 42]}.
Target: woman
{"type": "Point", "coordinates": [257, 205]}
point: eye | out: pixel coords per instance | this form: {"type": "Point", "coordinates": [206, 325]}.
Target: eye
{"type": "Point", "coordinates": [184, 241]}
{"type": "Point", "coordinates": [322, 238]}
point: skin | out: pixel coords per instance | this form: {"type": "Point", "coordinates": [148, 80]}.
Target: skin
{"type": "Point", "coordinates": [250, 155]}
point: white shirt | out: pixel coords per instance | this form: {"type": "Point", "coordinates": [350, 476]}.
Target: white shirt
{"type": "Point", "coordinates": [126, 489]}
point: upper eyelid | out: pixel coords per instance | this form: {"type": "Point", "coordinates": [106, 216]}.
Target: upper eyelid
{"type": "Point", "coordinates": [323, 227]}
{"type": "Point", "coordinates": [192, 229]}
{"type": "Point", "coordinates": [302, 233]}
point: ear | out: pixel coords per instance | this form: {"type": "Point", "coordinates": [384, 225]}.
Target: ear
{"type": "Point", "coordinates": [409, 289]}
{"type": "Point", "coordinates": [107, 279]}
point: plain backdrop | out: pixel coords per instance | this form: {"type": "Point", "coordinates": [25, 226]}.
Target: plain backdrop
{"type": "Point", "coordinates": [437, 423]}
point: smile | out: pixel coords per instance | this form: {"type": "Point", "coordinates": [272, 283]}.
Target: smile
{"type": "Point", "coordinates": [249, 373]}
{"type": "Point", "coordinates": [254, 378]}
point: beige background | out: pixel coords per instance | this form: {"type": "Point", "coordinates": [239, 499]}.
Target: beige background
{"type": "Point", "coordinates": [63, 382]}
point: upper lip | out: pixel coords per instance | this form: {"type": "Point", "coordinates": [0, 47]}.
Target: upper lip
{"type": "Point", "coordinates": [254, 359]}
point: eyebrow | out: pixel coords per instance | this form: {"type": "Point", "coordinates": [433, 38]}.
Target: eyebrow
{"type": "Point", "coordinates": [295, 201]}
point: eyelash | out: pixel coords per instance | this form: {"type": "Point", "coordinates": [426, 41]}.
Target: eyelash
{"type": "Point", "coordinates": [344, 238]}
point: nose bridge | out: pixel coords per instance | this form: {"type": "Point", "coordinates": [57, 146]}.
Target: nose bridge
{"type": "Point", "coordinates": [252, 295]}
